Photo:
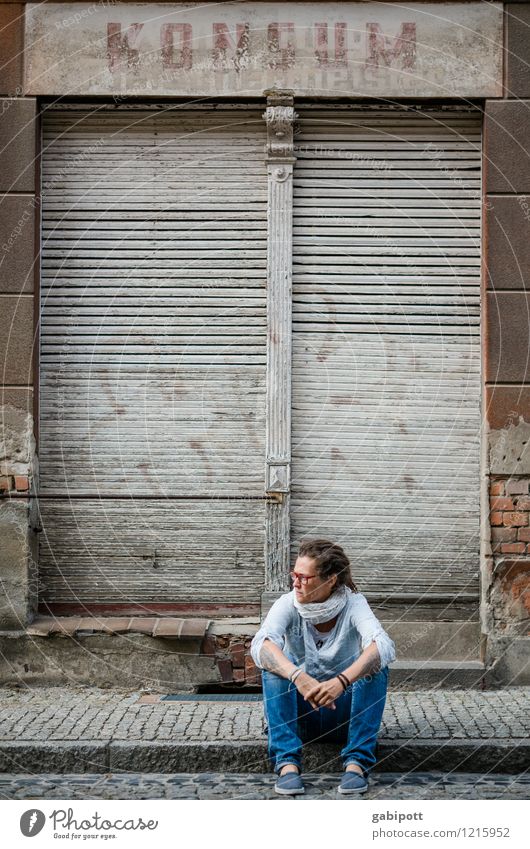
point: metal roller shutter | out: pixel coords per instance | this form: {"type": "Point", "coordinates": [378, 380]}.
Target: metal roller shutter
{"type": "Point", "coordinates": [386, 343]}
{"type": "Point", "coordinates": [153, 355]}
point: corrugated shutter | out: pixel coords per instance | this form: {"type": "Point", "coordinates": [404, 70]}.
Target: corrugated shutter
{"type": "Point", "coordinates": [153, 355]}
{"type": "Point", "coordinates": [386, 364]}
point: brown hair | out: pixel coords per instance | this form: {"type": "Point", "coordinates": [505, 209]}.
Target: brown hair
{"type": "Point", "coordinates": [330, 559]}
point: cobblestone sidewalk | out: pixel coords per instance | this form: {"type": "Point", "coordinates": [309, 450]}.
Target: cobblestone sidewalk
{"type": "Point", "coordinates": [229, 786]}
{"type": "Point", "coordinates": [77, 714]}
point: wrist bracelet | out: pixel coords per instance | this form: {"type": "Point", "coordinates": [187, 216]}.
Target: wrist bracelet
{"type": "Point", "coordinates": [343, 680]}
{"type": "Point", "coordinates": [293, 676]}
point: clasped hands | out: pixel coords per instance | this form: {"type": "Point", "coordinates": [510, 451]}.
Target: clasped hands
{"type": "Point", "coordinates": [319, 693]}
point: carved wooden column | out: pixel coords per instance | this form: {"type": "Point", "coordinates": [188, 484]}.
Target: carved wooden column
{"type": "Point", "coordinates": [280, 160]}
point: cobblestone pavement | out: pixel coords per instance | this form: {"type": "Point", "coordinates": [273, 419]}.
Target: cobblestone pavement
{"type": "Point", "coordinates": [232, 786]}
{"type": "Point", "coordinates": [76, 713]}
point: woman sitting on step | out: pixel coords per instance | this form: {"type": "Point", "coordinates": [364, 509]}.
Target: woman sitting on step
{"type": "Point", "coordinates": [324, 657]}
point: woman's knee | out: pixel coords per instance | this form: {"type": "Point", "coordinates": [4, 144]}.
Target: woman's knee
{"type": "Point", "coordinates": [271, 681]}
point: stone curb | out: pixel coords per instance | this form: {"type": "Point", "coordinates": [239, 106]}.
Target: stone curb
{"type": "Point", "coordinates": [499, 756]}
{"type": "Point", "coordinates": [54, 756]}
{"type": "Point", "coordinates": [236, 756]}
{"type": "Point", "coordinates": [508, 756]}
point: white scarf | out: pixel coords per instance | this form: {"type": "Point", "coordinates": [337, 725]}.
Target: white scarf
{"type": "Point", "coordinates": [323, 611]}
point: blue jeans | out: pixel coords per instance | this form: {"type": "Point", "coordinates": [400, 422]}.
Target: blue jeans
{"type": "Point", "coordinates": [355, 722]}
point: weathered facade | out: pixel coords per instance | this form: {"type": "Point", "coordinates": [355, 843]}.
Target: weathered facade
{"type": "Point", "coordinates": [264, 276]}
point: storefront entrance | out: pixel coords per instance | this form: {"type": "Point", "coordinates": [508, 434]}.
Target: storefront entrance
{"type": "Point", "coordinates": [154, 350]}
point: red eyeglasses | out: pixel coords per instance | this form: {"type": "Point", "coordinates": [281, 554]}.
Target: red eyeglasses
{"type": "Point", "coordinates": [304, 579]}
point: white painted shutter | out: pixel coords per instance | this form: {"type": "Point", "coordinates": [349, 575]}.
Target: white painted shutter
{"type": "Point", "coordinates": [386, 362]}
{"type": "Point", "coordinates": [153, 354]}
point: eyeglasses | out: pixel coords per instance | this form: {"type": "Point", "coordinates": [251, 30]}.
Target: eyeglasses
{"type": "Point", "coordinates": [304, 579]}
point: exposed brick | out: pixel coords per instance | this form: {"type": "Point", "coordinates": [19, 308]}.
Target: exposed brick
{"type": "Point", "coordinates": [252, 673]}
{"type": "Point", "coordinates": [497, 488]}
{"type": "Point", "coordinates": [5, 484]}
{"type": "Point", "coordinates": [21, 483]}
{"type": "Point", "coordinates": [501, 503]}
{"type": "Point", "coordinates": [511, 590]}
{"type": "Point", "coordinates": [523, 534]}
{"type": "Point", "coordinates": [496, 519]}
{"type": "Point", "coordinates": [523, 502]}
{"type": "Point", "coordinates": [225, 668]}
{"type": "Point", "coordinates": [513, 548]}
{"type": "Point", "coordinates": [239, 675]}
{"type": "Point", "coordinates": [209, 646]}
{"type": "Point", "coordinates": [223, 642]}
{"type": "Point", "coordinates": [514, 520]}
{"type": "Point", "coordinates": [504, 534]}
{"type": "Point", "coordinates": [517, 487]}
{"type": "Point", "coordinates": [237, 653]}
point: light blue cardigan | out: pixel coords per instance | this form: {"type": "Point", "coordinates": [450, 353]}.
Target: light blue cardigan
{"type": "Point", "coordinates": [356, 628]}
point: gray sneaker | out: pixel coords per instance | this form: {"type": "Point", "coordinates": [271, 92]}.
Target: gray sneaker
{"type": "Point", "coordinates": [289, 784]}
{"type": "Point", "coordinates": [353, 784]}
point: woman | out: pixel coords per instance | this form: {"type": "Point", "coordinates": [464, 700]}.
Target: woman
{"type": "Point", "coordinates": [324, 658]}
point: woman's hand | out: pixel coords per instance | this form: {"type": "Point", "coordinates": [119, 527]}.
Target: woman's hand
{"type": "Point", "coordinates": [325, 693]}
{"type": "Point", "coordinates": [305, 683]}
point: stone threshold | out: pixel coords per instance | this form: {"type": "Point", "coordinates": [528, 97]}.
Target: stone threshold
{"type": "Point", "coordinates": [152, 626]}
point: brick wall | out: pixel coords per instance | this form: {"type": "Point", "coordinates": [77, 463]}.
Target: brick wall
{"type": "Point", "coordinates": [506, 577]}
{"type": "Point", "coordinates": [18, 208]}
{"type": "Point", "coordinates": [233, 659]}
{"type": "Point", "coordinates": [13, 483]}
{"type": "Point", "coordinates": [510, 515]}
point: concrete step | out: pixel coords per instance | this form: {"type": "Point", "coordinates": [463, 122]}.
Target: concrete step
{"type": "Point", "coordinates": [119, 756]}
{"type": "Point", "coordinates": [446, 674]}
{"type": "Point", "coordinates": [437, 641]}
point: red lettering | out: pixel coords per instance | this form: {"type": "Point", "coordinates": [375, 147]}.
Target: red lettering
{"type": "Point", "coordinates": [223, 42]}
{"type": "Point", "coordinates": [281, 56]}
{"type": "Point", "coordinates": [322, 46]}
{"type": "Point", "coordinates": [382, 50]}
{"type": "Point", "coordinates": [184, 58]}
{"type": "Point", "coordinates": [120, 48]}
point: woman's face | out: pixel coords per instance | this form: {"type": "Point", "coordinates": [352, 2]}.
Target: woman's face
{"type": "Point", "coordinates": [315, 589]}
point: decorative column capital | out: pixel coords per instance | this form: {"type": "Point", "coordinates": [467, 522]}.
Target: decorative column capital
{"type": "Point", "coordinates": [280, 117]}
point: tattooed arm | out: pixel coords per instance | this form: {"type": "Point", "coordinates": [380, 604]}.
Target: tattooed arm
{"type": "Point", "coordinates": [273, 660]}
{"type": "Point", "coordinates": [267, 645]}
